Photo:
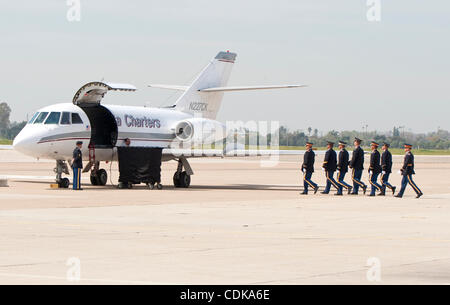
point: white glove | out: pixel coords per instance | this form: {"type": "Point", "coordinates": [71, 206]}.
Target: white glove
{"type": "Point", "coordinates": [383, 172]}
{"type": "Point", "coordinates": [399, 172]}
{"type": "Point", "coordinates": [303, 169]}
{"type": "Point", "coordinates": [323, 169]}
{"type": "Point", "coordinates": [370, 172]}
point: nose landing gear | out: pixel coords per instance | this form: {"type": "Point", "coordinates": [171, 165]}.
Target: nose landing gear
{"type": "Point", "coordinates": [61, 168]}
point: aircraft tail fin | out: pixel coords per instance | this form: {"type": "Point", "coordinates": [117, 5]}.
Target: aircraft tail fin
{"type": "Point", "coordinates": [215, 74]}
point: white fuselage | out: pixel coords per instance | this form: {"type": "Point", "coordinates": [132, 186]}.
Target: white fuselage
{"type": "Point", "coordinates": [145, 127]}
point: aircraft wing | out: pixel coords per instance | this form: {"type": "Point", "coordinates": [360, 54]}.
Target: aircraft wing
{"type": "Point", "coordinates": [226, 89]}
{"type": "Point", "coordinates": [245, 88]}
{"type": "Point", "coordinates": [170, 87]}
{"type": "Point", "coordinates": [199, 153]}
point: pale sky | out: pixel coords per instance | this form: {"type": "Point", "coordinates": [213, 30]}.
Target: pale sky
{"type": "Point", "coordinates": [389, 73]}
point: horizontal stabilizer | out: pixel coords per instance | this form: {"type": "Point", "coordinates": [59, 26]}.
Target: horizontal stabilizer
{"type": "Point", "coordinates": [244, 88]}
{"type": "Point", "coordinates": [170, 87]}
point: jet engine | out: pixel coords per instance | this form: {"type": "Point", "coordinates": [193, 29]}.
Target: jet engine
{"type": "Point", "coordinates": [199, 131]}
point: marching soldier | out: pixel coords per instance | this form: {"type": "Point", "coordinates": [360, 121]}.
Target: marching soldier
{"type": "Point", "coordinates": [342, 167]}
{"type": "Point", "coordinates": [77, 166]}
{"type": "Point", "coordinates": [329, 166]}
{"type": "Point", "coordinates": [386, 166]}
{"type": "Point", "coordinates": [308, 169]}
{"type": "Point", "coordinates": [357, 166]}
{"type": "Point", "coordinates": [374, 168]}
{"type": "Point", "coordinates": [407, 172]}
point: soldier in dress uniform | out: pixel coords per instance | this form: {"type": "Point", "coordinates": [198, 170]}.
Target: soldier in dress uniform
{"type": "Point", "coordinates": [407, 171]}
{"type": "Point", "coordinates": [77, 166]}
{"type": "Point", "coordinates": [357, 166]}
{"type": "Point", "coordinates": [374, 168]}
{"type": "Point", "coordinates": [330, 166]}
{"type": "Point", "coordinates": [308, 169]}
{"type": "Point", "coordinates": [342, 167]}
{"type": "Point", "coordinates": [386, 166]}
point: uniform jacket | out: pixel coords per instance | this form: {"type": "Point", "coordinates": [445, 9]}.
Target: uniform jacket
{"type": "Point", "coordinates": [330, 161]}
{"type": "Point", "coordinates": [375, 166]}
{"type": "Point", "coordinates": [308, 161]}
{"type": "Point", "coordinates": [408, 164]}
{"type": "Point", "coordinates": [77, 158]}
{"type": "Point", "coordinates": [357, 161]}
{"type": "Point", "coordinates": [386, 161]}
{"type": "Point", "coordinates": [342, 164]}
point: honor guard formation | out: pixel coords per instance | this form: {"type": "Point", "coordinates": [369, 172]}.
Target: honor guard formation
{"type": "Point", "coordinates": [380, 164]}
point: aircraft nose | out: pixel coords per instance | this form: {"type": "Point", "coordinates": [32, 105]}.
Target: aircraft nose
{"type": "Point", "coordinates": [22, 143]}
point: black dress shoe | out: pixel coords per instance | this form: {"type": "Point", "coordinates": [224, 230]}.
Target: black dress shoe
{"type": "Point", "coordinates": [364, 189]}
{"type": "Point", "coordinates": [316, 189]}
{"type": "Point", "coordinates": [371, 195]}
{"type": "Point", "coordinates": [393, 190]}
{"type": "Point", "coordinates": [398, 196]}
{"type": "Point", "coordinates": [419, 195]}
{"type": "Point", "coordinates": [349, 191]}
{"type": "Point", "coordinates": [338, 194]}
{"type": "Point", "coordinates": [382, 194]}
{"type": "Point", "coordinates": [325, 193]}
{"type": "Point", "coordinates": [303, 193]}
{"type": "Point", "coordinates": [353, 193]}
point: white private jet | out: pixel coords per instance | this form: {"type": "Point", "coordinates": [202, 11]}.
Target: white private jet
{"type": "Point", "coordinates": [53, 131]}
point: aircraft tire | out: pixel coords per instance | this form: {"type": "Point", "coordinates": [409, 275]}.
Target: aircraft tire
{"type": "Point", "coordinates": [102, 177]}
{"type": "Point", "coordinates": [94, 180]}
{"type": "Point", "coordinates": [185, 180]}
{"type": "Point", "coordinates": [64, 183]}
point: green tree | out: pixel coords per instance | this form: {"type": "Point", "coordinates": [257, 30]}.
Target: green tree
{"type": "Point", "coordinates": [5, 111]}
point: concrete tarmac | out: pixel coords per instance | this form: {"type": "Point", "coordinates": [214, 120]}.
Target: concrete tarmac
{"type": "Point", "coordinates": [239, 223]}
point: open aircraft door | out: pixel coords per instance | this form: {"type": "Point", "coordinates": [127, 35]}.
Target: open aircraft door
{"type": "Point", "coordinates": [104, 130]}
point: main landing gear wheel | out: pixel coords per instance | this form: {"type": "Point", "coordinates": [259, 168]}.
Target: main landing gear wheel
{"type": "Point", "coordinates": [64, 183]}
{"type": "Point", "coordinates": [181, 180]}
{"type": "Point", "coordinates": [99, 178]}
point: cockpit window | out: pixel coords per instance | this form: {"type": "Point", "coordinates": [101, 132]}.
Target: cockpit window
{"type": "Point", "coordinates": [76, 119]}
{"type": "Point", "coordinates": [65, 118]}
{"type": "Point", "coordinates": [53, 118]}
{"type": "Point", "coordinates": [33, 118]}
{"type": "Point", "coordinates": [41, 117]}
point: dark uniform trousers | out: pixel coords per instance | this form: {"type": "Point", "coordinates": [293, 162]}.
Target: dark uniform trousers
{"type": "Point", "coordinates": [330, 181]}
{"type": "Point", "coordinates": [76, 178]}
{"type": "Point", "coordinates": [307, 181]}
{"type": "Point", "coordinates": [375, 170]}
{"type": "Point", "coordinates": [385, 181]}
{"type": "Point", "coordinates": [408, 179]}
{"type": "Point", "coordinates": [341, 182]}
{"type": "Point", "coordinates": [356, 177]}
{"type": "Point", "coordinates": [374, 183]}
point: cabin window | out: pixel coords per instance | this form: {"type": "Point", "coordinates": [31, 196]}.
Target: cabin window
{"type": "Point", "coordinates": [53, 118]}
{"type": "Point", "coordinates": [41, 117]}
{"type": "Point", "coordinates": [33, 118]}
{"type": "Point", "coordinates": [65, 118]}
{"type": "Point", "coordinates": [76, 119]}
